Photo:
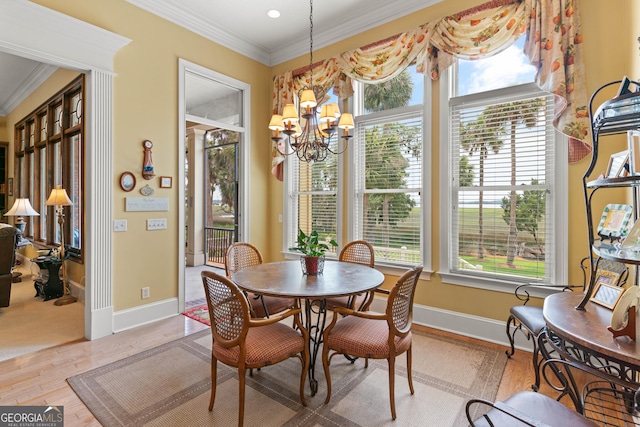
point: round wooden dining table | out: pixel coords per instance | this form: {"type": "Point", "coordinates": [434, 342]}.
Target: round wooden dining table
{"type": "Point", "coordinates": [285, 279]}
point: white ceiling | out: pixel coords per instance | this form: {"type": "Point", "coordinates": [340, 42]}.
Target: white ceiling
{"type": "Point", "coordinates": [242, 26]}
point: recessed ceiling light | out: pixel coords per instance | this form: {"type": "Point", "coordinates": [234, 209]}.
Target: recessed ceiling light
{"type": "Point", "coordinates": [273, 13]}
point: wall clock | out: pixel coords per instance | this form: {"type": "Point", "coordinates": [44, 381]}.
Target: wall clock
{"type": "Point", "coordinates": [147, 163]}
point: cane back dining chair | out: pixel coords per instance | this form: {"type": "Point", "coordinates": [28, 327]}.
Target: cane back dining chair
{"type": "Point", "coordinates": [357, 252]}
{"type": "Point", "coordinates": [245, 343]}
{"type": "Point", "coordinates": [366, 334]}
{"type": "Point", "coordinates": [241, 255]}
{"type": "Point", "coordinates": [530, 320]}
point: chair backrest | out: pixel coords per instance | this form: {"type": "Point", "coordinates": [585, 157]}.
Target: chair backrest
{"type": "Point", "coordinates": [228, 309]}
{"type": "Point", "coordinates": [241, 255]}
{"type": "Point", "coordinates": [400, 302]}
{"type": "Point", "coordinates": [359, 252]}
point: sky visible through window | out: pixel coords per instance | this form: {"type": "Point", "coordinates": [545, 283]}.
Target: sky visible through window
{"type": "Point", "coordinates": [508, 68]}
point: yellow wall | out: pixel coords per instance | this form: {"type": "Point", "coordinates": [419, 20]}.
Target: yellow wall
{"type": "Point", "coordinates": [145, 108]}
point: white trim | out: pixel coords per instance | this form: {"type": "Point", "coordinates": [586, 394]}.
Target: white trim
{"type": "Point", "coordinates": [244, 154]}
{"type": "Point", "coordinates": [144, 314]}
{"type": "Point", "coordinates": [42, 34]}
{"type": "Point", "coordinates": [341, 29]}
{"type": "Point", "coordinates": [481, 328]}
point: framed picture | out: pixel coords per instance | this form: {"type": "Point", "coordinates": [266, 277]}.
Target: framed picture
{"type": "Point", "coordinates": [127, 181]}
{"type": "Point", "coordinates": [634, 152]}
{"type": "Point", "coordinates": [616, 164]}
{"type": "Point", "coordinates": [10, 187]}
{"type": "Point", "coordinates": [615, 220]}
{"type": "Point", "coordinates": [632, 241]}
{"type": "Point", "coordinates": [165, 182]}
{"type": "Point", "coordinates": [606, 295]}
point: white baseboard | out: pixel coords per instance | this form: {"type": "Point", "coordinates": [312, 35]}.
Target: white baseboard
{"type": "Point", "coordinates": [458, 323]}
{"type": "Point", "coordinates": [141, 315]}
{"type": "Point", "coordinates": [462, 324]}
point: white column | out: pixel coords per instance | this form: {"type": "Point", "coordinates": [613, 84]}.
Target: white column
{"type": "Point", "coordinates": [195, 194]}
{"type": "Point", "coordinates": [99, 202]}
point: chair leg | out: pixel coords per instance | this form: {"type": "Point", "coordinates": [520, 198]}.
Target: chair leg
{"type": "Point", "coordinates": [537, 361]}
{"type": "Point", "coordinates": [303, 376]}
{"type": "Point", "coordinates": [242, 379]}
{"type": "Point", "coordinates": [409, 376]}
{"type": "Point", "coordinates": [327, 374]}
{"type": "Point", "coordinates": [511, 321]}
{"type": "Point", "coordinates": [214, 379]}
{"type": "Point", "coordinates": [392, 393]}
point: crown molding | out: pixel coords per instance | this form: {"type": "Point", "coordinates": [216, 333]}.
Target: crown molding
{"type": "Point", "coordinates": [344, 28]}
{"type": "Point", "coordinates": [84, 45]}
{"type": "Point", "coordinates": [186, 19]}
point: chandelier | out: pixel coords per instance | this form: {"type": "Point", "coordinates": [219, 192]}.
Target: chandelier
{"type": "Point", "coordinates": [310, 134]}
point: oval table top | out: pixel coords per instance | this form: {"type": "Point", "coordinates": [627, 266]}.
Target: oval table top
{"type": "Point", "coordinates": [588, 328]}
{"type": "Point", "coordinates": [285, 279]}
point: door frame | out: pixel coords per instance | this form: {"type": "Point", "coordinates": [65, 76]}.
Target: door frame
{"type": "Point", "coordinates": [244, 150]}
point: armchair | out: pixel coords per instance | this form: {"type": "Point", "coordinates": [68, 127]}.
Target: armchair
{"type": "Point", "coordinates": [7, 259]}
{"type": "Point", "coordinates": [375, 335]}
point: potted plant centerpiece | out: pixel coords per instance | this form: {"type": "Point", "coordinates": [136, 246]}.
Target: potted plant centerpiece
{"type": "Point", "coordinates": [313, 250]}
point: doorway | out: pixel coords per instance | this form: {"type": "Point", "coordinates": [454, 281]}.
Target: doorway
{"type": "Point", "coordinates": [214, 111]}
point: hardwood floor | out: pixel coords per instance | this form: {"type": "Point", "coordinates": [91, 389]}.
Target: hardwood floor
{"type": "Point", "coordinates": [40, 378]}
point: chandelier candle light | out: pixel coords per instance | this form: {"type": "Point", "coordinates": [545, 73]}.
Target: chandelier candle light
{"type": "Point", "coordinates": [59, 199]}
{"type": "Point", "coordinates": [311, 140]}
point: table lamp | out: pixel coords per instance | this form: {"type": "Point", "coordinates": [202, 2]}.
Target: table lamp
{"type": "Point", "coordinates": [59, 199]}
{"type": "Point", "coordinates": [20, 209]}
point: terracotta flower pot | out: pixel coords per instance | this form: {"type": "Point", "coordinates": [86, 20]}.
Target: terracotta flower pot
{"type": "Point", "coordinates": [312, 264]}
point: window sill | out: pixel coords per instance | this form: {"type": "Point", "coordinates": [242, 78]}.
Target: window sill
{"type": "Point", "coordinates": [539, 291]}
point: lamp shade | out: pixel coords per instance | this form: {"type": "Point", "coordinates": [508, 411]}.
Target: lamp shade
{"type": "Point", "coordinates": [276, 122]}
{"type": "Point", "coordinates": [58, 197]}
{"type": "Point", "coordinates": [22, 207]}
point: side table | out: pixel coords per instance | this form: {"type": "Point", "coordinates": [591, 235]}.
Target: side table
{"type": "Point", "coordinates": [53, 286]}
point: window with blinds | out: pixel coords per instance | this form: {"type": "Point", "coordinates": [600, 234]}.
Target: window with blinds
{"type": "Point", "coordinates": [502, 157]}
{"type": "Point", "coordinates": [388, 154]}
{"type": "Point", "coordinates": [313, 198]}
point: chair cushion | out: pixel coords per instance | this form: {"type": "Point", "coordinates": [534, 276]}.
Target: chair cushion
{"type": "Point", "coordinates": [361, 337]}
{"type": "Point", "coordinates": [531, 317]}
{"type": "Point", "coordinates": [266, 345]}
{"type": "Point", "coordinates": [540, 408]}
{"type": "Point", "coordinates": [274, 304]}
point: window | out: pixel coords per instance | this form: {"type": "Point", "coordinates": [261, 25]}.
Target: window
{"type": "Point", "coordinates": [387, 198]}
{"type": "Point", "coordinates": [312, 197]}
{"type": "Point", "coordinates": [503, 185]}
{"type": "Point", "coordinates": [49, 152]}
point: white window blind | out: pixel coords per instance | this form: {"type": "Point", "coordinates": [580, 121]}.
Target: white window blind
{"type": "Point", "coordinates": [388, 184]}
{"type": "Point", "coordinates": [313, 198]}
{"type": "Point", "coordinates": [502, 149]}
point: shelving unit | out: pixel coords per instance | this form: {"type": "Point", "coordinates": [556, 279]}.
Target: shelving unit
{"type": "Point", "coordinates": [615, 116]}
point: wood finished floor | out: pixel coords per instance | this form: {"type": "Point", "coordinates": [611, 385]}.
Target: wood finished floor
{"type": "Point", "coordinates": [40, 378]}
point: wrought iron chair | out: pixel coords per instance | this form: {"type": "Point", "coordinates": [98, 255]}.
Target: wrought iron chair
{"type": "Point", "coordinates": [358, 252]}
{"type": "Point", "coordinates": [375, 335]}
{"type": "Point", "coordinates": [246, 343]}
{"type": "Point", "coordinates": [526, 408]}
{"type": "Point", "coordinates": [530, 321]}
{"type": "Point", "coordinates": [241, 255]}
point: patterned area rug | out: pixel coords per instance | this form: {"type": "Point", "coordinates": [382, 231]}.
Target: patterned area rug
{"type": "Point", "coordinates": [170, 385]}
{"type": "Point", "coordinates": [199, 313]}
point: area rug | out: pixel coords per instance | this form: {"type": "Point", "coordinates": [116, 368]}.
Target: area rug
{"type": "Point", "coordinates": [170, 385]}
{"type": "Point", "coordinates": [199, 313]}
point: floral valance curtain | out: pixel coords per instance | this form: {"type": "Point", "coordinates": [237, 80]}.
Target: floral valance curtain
{"type": "Point", "coordinates": [553, 44]}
